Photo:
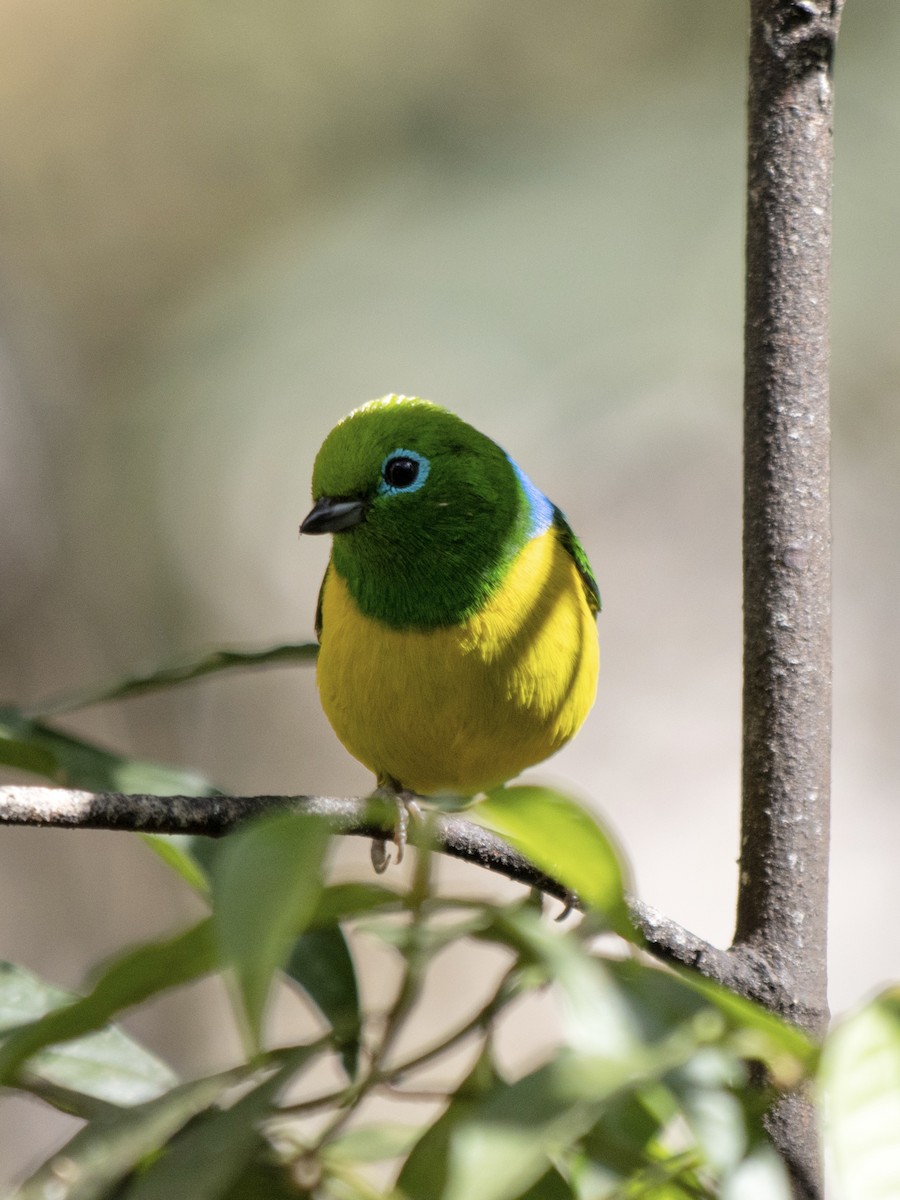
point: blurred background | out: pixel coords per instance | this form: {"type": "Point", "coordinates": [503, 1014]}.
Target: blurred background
{"type": "Point", "coordinates": [223, 226]}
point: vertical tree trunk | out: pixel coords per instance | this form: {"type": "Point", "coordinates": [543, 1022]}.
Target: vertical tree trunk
{"type": "Point", "coordinates": [782, 901]}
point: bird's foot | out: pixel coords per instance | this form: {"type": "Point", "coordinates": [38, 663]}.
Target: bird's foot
{"type": "Point", "coordinates": [569, 901]}
{"type": "Point", "coordinates": [407, 805]}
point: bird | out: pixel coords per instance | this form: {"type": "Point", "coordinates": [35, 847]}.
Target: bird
{"type": "Point", "coordinates": [457, 616]}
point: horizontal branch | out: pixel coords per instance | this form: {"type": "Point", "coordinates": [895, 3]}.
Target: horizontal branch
{"type": "Point", "coordinates": [213, 816]}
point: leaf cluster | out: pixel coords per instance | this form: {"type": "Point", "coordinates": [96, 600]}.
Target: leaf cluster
{"type": "Point", "coordinates": [651, 1091]}
{"type": "Point", "coordinates": [645, 1095]}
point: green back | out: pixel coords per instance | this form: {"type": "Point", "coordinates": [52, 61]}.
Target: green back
{"type": "Point", "coordinates": [579, 555]}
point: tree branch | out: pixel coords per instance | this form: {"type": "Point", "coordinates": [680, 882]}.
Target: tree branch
{"type": "Point", "coordinates": [782, 901]}
{"type": "Point", "coordinates": [787, 533]}
{"type": "Point", "coordinates": [213, 816]}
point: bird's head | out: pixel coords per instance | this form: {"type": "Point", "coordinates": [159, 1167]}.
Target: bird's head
{"type": "Point", "coordinates": [426, 511]}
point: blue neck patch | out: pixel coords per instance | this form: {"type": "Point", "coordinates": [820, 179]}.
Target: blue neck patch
{"type": "Point", "coordinates": [539, 506]}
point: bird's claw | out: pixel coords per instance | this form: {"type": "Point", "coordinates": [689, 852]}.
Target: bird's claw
{"type": "Point", "coordinates": [406, 806]}
{"type": "Point", "coordinates": [381, 860]}
{"type": "Point", "coordinates": [571, 903]}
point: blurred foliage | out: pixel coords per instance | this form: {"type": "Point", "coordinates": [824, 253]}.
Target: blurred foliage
{"type": "Point", "coordinates": [181, 672]}
{"type": "Point", "coordinates": [649, 1091]}
{"type": "Point", "coordinates": [29, 743]}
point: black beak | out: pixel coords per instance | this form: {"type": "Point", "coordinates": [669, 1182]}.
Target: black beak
{"type": "Point", "coordinates": [331, 516]}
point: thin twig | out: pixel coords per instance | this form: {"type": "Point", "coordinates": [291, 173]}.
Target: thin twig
{"type": "Point", "coordinates": [389, 1077]}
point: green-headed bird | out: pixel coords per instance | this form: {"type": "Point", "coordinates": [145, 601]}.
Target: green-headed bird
{"type": "Point", "coordinates": [456, 619]}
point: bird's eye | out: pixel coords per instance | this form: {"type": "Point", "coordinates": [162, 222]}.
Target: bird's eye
{"type": "Point", "coordinates": [400, 472]}
{"type": "Point", "coordinates": [403, 471]}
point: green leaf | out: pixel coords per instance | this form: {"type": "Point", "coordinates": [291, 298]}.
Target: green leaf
{"type": "Point", "coordinates": [507, 1140]}
{"type": "Point", "coordinates": [25, 755]}
{"type": "Point", "coordinates": [425, 940]}
{"type": "Point", "coordinates": [565, 842]}
{"type": "Point", "coordinates": [551, 1186]}
{"type": "Point", "coordinates": [213, 1152]}
{"type": "Point", "coordinates": [127, 981]}
{"type": "Point", "coordinates": [662, 998]}
{"type": "Point", "coordinates": [621, 1138]}
{"type": "Point", "coordinates": [133, 776]}
{"type": "Point", "coordinates": [372, 1143]}
{"type": "Point", "coordinates": [424, 1173]}
{"type": "Point", "coordinates": [660, 1001]}
{"type": "Point", "coordinates": [74, 762]}
{"type": "Point", "coordinates": [208, 663]}
{"type": "Point", "coordinates": [321, 964]}
{"type": "Point", "coordinates": [859, 1085]}
{"type": "Point", "coordinates": [266, 884]}
{"type": "Point", "coordinates": [175, 851]}
{"type": "Point", "coordinates": [787, 1051]}
{"type": "Point", "coordinates": [343, 900]}
{"type": "Point", "coordinates": [711, 1109]}
{"type": "Point", "coordinates": [108, 1065]}
{"type": "Point", "coordinates": [599, 1015]}
{"type": "Point", "coordinates": [103, 1153]}
{"type": "Point", "coordinates": [265, 1179]}
{"type": "Point", "coordinates": [67, 1100]}
{"type": "Point", "coordinates": [204, 851]}
{"type": "Point", "coordinates": [664, 1177]}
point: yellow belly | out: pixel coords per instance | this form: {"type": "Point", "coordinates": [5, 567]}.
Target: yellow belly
{"type": "Point", "coordinates": [465, 708]}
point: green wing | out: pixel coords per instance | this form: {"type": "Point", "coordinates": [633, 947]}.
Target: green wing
{"type": "Point", "coordinates": [575, 548]}
{"type": "Point", "coordinates": [319, 603]}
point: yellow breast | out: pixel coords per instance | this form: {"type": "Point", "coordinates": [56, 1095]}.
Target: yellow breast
{"type": "Point", "coordinates": [464, 708]}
